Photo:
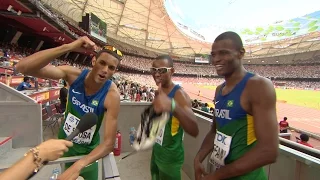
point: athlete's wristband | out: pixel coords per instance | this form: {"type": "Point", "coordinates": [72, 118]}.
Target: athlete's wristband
{"type": "Point", "coordinates": [173, 105]}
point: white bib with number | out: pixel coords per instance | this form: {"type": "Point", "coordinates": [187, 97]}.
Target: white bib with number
{"type": "Point", "coordinates": [222, 143]}
{"type": "Point", "coordinates": [70, 125]}
{"type": "Point", "coordinates": [159, 138]}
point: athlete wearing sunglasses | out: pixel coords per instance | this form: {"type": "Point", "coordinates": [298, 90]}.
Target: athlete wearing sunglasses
{"type": "Point", "coordinates": [168, 152]}
{"type": "Point", "coordinates": [161, 70]}
{"type": "Point", "coordinates": [90, 91]}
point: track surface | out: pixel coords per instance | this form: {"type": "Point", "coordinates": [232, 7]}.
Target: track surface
{"type": "Point", "coordinates": [303, 118]}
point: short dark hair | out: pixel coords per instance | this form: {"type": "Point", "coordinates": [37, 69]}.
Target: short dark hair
{"type": "Point", "coordinates": [114, 54]}
{"type": "Point", "coordinates": [168, 58]}
{"type": "Point", "coordinates": [234, 37]}
{"type": "Point", "coordinates": [285, 118]}
{"type": "Point", "coordinates": [304, 137]}
{"type": "Point", "coordinates": [26, 78]}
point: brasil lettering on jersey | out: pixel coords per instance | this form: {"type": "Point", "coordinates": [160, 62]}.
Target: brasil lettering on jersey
{"type": "Point", "coordinates": [82, 106]}
{"type": "Point", "coordinates": [222, 113]}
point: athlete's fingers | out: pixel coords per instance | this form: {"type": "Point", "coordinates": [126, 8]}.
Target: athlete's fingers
{"type": "Point", "coordinates": [159, 88]}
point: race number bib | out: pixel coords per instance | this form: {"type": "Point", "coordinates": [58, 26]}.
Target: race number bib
{"type": "Point", "coordinates": [159, 138]}
{"type": "Point", "coordinates": [222, 143]}
{"type": "Point", "coordinates": [70, 125]}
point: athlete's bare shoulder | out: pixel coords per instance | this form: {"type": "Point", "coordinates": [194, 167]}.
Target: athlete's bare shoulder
{"type": "Point", "coordinates": [257, 81]}
{"type": "Point", "coordinates": [112, 97]}
{"type": "Point", "coordinates": [113, 87]}
{"type": "Point", "coordinates": [260, 87]}
{"type": "Point", "coordinates": [182, 97]}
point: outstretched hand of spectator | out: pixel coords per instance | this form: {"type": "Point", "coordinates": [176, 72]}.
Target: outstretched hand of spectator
{"type": "Point", "coordinates": [48, 151]}
{"type": "Point", "coordinates": [53, 149]}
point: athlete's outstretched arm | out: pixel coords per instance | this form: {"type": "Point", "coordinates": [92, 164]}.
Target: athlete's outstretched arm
{"type": "Point", "coordinates": [112, 104]}
{"type": "Point", "coordinates": [263, 106]}
{"type": "Point", "coordinates": [184, 113]}
{"type": "Point", "coordinates": [37, 63]}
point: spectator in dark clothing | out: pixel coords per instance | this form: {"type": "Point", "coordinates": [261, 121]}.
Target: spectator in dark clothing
{"type": "Point", "coordinates": [63, 96]}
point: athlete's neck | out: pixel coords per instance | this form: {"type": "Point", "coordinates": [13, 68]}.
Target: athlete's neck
{"type": "Point", "coordinates": [235, 77]}
{"type": "Point", "coordinates": [167, 87]}
{"type": "Point", "coordinates": [90, 85]}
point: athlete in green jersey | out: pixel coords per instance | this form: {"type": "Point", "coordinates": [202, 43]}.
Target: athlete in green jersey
{"type": "Point", "coordinates": [244, 134]}
{"type": "Point", "coordinates": [168, 152]}
{"type": "Point", "coordinates": [90, 91]}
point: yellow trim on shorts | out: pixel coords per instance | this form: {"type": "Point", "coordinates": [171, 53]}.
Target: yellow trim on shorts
{"type": "Point", "coordinates": [251, 135]}
{"type": "Point", "coordinates": [175, 124]}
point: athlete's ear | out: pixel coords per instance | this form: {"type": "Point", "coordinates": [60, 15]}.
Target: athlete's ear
{"type": "Point", "coordinates": [172, 71]}
{"type": "Point", "coordinates": [93, 61]}
{"type": "Point", "coordinates": [242, 52]}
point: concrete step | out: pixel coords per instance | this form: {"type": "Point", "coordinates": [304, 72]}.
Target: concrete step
{"type": "Point", "coordinates": [5, 145]}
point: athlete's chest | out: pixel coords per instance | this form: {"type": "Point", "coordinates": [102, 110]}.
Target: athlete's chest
{"type": "Point", "coordinates": [228, 109]}
{"type": "Point", "coordinates": [82, 103]}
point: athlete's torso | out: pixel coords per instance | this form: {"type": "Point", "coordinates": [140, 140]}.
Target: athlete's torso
{"type": "Point", "coordinates": [235, 129]}
{"type": "Point", "coordinates": [78, 104]}
{"type": "Point", "coordinates": [169, 144]}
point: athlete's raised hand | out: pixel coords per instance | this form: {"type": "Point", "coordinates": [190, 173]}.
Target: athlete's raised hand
{"type": "Point", "coordinates": [82, 44]}
{"type": "Point", "coordinates": [162, 103]}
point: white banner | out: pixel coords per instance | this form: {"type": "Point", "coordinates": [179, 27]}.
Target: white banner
{"type": "Point", "coordinates": [201, 60]}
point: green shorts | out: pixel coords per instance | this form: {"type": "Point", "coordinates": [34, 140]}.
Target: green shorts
{"type": "Point", "coordinates": [88, 173]}
{"type": "Point", "coordinates": [160, 171]}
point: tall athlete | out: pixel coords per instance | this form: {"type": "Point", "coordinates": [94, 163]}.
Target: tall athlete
{"type": "Point", "coordinates": [168, 152]}
{"type": "Point", "coordinates": [90, 91]}
{"type": "Point", "coordinates": [244, 134]}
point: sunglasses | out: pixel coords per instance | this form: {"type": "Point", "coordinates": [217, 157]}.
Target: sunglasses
{"type": "Point", "coordinates": [161, 70]}
{"type": "Point", "coordinates": [112, 49]}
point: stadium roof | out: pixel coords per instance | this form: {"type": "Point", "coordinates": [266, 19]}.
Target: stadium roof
{"type": "Point", "coordinates": [147, 24]}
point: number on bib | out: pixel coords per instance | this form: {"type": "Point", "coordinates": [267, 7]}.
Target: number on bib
{"type": "Point", "coordinates": [159, 138]}
{"type": "Point", "coordinates": [222, 143]}
{"type": "Point", "coordinates": [70, 125]}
